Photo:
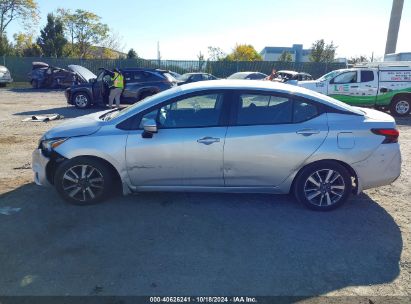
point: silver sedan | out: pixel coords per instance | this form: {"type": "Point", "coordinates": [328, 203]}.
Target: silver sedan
{"type": "Point", "coordinates": [227, 136]}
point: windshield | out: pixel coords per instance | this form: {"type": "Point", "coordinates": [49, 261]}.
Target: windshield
{"type": "Point", "coordinates": [184, 77]}
{"type": "Point", "coordinates": [83, 72]}
{"type": "Point", "coordinates": [169, 77]}
{"type": "Point", "coordinates": [329, 75]}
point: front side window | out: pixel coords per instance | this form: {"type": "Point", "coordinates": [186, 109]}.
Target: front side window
{"type": "Point", "coordinates": [191, 112]}
{"type": "Point", "coordinates": [348, 77]}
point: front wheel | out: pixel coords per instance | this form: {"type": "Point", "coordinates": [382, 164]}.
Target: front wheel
{"type": "Point", "coordinates": [323, 186]}
{"type": "Point", "coordinates": [83, 181]}
{"type": "Point", "coordinates": [81, 100]}
{"type": "Point", "coordinates": [400, 106]}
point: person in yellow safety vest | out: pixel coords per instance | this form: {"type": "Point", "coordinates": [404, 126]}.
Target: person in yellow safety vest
{"type": "Point", "coordinates": [116, 89]}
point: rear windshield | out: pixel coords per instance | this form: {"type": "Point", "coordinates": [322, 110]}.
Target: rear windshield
{"type": "Point", "coordinates": [238, 76]}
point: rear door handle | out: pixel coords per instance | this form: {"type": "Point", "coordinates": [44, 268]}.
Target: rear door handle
{"type": "Point", "coordinates": [308, 132]}
{"type": "Point", "coordinates": [208, 140]}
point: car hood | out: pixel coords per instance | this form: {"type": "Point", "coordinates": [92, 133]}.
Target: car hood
{"type": "Point", "coordinates": [84, 73]}
{"type": "Point", "coordinates": [80, 126]}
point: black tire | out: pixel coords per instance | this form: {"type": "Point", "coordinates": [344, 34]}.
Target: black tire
{"type": "Point", "coordinates": [330, 191]}
{"type": "Point", "coordinates": [81, 100]}
{"type": "Point", "coordinates": [92, 187]}
{"type": "Point", "coordinates": [35, 84]}
{"type": "Point", "coordinates": [400, 105]}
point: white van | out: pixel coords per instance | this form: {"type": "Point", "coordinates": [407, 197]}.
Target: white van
{"type": "Point", "coordinates": [381, 85]}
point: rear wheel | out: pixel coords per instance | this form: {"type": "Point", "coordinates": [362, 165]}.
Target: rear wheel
{"type": "Point", "coordinates": [400, 106]}
{"type": "Point", "coordinates": [81, 100]}
{"type": "Point", "coordinates": [323, 186]}
{"type": "Point", "coordinates": [83, 181]}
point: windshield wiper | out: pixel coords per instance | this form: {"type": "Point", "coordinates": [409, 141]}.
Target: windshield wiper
{"type": "Point", "coordinates": [107, 116]}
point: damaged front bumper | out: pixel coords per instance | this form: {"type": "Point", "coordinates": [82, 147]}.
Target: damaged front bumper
{"type": "Point", "coordinates": [39, 165]}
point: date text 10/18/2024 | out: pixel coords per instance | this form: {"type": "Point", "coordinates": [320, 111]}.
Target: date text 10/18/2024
{"type": "Point", "coordinates": [203, 300]}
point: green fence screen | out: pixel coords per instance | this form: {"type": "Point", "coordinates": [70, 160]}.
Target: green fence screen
{"type": "Point", "coordinates": [20, 66]}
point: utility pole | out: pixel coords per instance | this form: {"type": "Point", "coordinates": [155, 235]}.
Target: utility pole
{"type": "Point", "coordinates": [394, 27]}
{"type": "Point", "coordinates": [158, 53]}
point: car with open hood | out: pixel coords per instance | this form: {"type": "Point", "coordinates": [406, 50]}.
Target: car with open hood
{"type": "Point", "coordinates": [44, 75]}
{"type": "Point", "coordinates": [139, 83]}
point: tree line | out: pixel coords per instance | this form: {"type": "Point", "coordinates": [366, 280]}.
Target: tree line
{"type": "Point", "coordinates": [67, 33]}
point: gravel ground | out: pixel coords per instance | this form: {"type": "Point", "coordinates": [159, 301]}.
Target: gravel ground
{"type": "Point", "coordinates": [180, 243]}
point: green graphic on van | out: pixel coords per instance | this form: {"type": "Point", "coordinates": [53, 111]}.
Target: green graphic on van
{"type": "Point", "coordinates": [341, 88]}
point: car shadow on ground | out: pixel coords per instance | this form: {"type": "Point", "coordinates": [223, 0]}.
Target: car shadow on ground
{"type": "Point", "coordinates": [67, 112]}
{"type": "Point", "coordinates": [192, 243]}
{"type": "Point", "coordinates": [32, 90]}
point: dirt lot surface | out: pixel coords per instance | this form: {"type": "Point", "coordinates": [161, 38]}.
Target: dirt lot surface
{"type": "Point", "coordinates": [208, 244]}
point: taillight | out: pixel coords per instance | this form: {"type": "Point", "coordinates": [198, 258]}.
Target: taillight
{"type": "Point", "coordinates": [391, 135]}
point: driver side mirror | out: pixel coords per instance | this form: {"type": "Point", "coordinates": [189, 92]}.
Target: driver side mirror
{"type": "Point", "coordinates": [150, 127]}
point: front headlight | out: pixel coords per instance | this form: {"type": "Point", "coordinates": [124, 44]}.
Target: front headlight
{"type": "Point", "coordinates": [50, 144]}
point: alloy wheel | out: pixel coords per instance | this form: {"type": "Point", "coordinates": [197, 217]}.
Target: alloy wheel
{"type": "Point", "coordinates": [83, 182]}
{"type": "Point", "coordinates": [81, 101]}
{"type": "Point", "coordinates": [324, 187]}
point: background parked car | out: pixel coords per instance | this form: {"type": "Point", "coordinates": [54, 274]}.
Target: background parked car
{"type": "Point", "coordinates": [286, 75]}
{"type": "Point", "coordinates": [138, 84]}
{"type": "Point", "coordinates": [194, 77]}
{"type": "Point", "coordinates": [43, 75]}
{"type": "Point", "coordinates": [5, 76]}
{"type": "Point", "coordinates": [248, 76]}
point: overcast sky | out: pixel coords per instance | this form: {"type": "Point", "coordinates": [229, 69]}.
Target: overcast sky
{"type": "Point", "coordinates": [186, 27]}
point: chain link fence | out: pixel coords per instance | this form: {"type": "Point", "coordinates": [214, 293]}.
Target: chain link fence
{"type": "Point", "coordinates": [20, 66]}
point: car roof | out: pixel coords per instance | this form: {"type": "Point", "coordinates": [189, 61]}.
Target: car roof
{"type": "Point", "coordinates": [226, 84]}
{"type": "Point", "coordinates": [195, 73]}
{"type": "Point", "coordinates": [142, 69]}
{"type": "Point", "coordinates": [288, 72]}
{"type": "Point", "coordinates": [268, 85]}
{"type": "Point", "coordinates": [244, 73]}
{"type": "Point", "coordinates": [293, 72]}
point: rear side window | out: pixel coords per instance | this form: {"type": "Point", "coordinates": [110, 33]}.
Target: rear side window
{"type": "Point", "coordinates": [303, 111]}
{"type": "Point", "coordinates": [256, 109]}
{"type": "Point", "coordinates": [144, 76]}
{"type": "Point", "coordinates": [367, 76]}
{"type": "Point", "coordinates": [259, 109]}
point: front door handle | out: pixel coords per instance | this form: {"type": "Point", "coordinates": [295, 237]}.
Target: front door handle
{"type": "Point", "coordinates": [308, 132]}
{"type": "Point", "coordinates": [208, 140]}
